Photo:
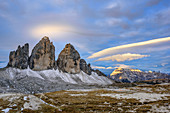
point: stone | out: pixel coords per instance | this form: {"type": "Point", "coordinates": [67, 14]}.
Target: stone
{"type": "Point", "coordinates": [85, 67]}
{"type": "Point", "coordinates": [43, 55]}
{"type": "Point", "coordinates": [99, 72]}
{"type": "Point", "coordinates": [69, 60]}
{"type": "Point", "coordinates": [19, 58]}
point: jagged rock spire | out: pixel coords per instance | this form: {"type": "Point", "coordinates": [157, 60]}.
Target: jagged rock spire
{"type": "Point", "coordinates": [19, 58]}
{"type": "Point", "coordinates": [69, 60]}
{"type": "Point", "coordinates": [43, 55]}
{"type": "Point", "coordinates": [85, 67]}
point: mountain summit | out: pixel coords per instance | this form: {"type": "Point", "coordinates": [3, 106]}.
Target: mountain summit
{"type": "Point", "coordinates": [69, 60]}
{"type": "Point", "coordinates": [43, 55]}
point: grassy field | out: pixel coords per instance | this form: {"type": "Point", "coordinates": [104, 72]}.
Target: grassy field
{"type": "Point", "coordinates": [139, 99]}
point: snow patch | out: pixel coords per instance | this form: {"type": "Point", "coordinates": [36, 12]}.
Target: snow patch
{"type": "Point", "coordinates": [142, 97]}
{"type": "Point", "coordinates": [34, 103]}
{"type": "Point", "coordinates": [77, 94]}
{"type": "Point", "coordinates": [52, 75]}
{"type": "Point", "coordinates": [6, 110]}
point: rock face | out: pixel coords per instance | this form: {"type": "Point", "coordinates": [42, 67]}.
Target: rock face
{"type": "Point", "coordinates": [19, 58]}
{"type": "Point", "coordinates": [136, 75]}
{"type": "Point", "coordinates": [43, 55]}
{"type": "Point", "coordinates": [99, 72]}
{"type": "Point", "coordinates": [85, 67]}
{"type": "Point", "coordinates": [69, 60]}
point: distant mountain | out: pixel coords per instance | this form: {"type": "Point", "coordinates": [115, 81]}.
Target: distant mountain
{"type": "Point", "coordinates": [136, 75]}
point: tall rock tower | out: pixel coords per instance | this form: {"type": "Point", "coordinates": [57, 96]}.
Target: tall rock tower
{"type": "Point", "coordinates": [69, 60]}
{"type": "Point", "coordinates": [43, 55]}
{"type": "Point", "coordinates": [19, 58]}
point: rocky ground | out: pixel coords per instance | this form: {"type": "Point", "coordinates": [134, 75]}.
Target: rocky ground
{"type": "Point", "coordinates": [141, 98]}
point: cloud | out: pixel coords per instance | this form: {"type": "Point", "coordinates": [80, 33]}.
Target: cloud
{"type": "Point", "coordinates": [112, 50]}
{"type": "Point", "coordinates": [98, 67]}
{"type": "Point", "coordinates": [122, 66]}
{"type": "Point", "coordinates": [161, 18]}
{"type": "Point", "coordinates": [50, 30]}
{"type": "Point", "coordinates": [163, 64]}
{"type": "Point", "coordinates": [61, 30]}
{"type": "Point", "coordinates": [122, 57]}
{"type": "Point", "coordinates": [152, 2]}
{"type": "Point", "coordinates": [101, 67]}
{"type": "Point", "coordinates": [112, 67]}
{"type": "Point", "coordinates": [112, 22]}
{"type": "Point", "coordinates": [128, 9]}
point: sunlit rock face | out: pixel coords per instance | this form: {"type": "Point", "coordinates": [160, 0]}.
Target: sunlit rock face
{"type": "Point", "coordinates": [69, 60]}
{"type": "Point", "coordinates": [43, 55]}
{"type": "Point", "coordinates": [19, 58]}
{"type": "Point", "coordinates": [85, 67]}
{"type": "Point", "coordinates": [136, 75]}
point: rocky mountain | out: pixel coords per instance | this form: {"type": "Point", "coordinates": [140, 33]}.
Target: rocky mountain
{"type": "Point", "coordinates": [136, 75]}
{"type": "Point", "coordinates": [19, 58]}
{"type": "Point", "coordinates": [41, 73]}
{"type": "Point", "coordinates": [85, 67]}
{"type": "Point", "coordinates": [43, 55]}
{"type": "Point", "coordinates": [69, 60]}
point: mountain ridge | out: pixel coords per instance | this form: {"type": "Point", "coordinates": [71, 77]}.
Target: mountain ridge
{"type": "Point", "coordinates": [39, 72]}
{"type": "Point", "coordinates": [136, 75]}
{"type": "Point", "coordinates": [43, 58]}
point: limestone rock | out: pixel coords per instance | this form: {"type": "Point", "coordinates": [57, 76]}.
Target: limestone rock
{"type": "Point", "coordinates": [43, 55]}
{"type": "Point", "coordinates": [85, 67]}
{"type": "Point", "coordinates": [99, 72]}
{"type": "Point", "coordinates": [19, 58]}
{"type": "Point", "coordinates": [136, 75]}
{"type": "Point", "coordinates": [69, 60]}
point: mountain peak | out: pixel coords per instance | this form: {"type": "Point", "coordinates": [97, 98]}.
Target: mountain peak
{"type": "Point", "coordinates": [43, 55]}
{"type": "Point", "coordinates": [69, 60]}
{"type": "Point", "coordinates": [45, 38]}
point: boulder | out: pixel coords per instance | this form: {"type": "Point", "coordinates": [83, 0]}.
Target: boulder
{"type": "Point", "coordinates": [85, 67]}
{"type": "Point", "coordinates": [19, 58]}
{"type": "Point", "coordinates": [43, 55]}
{"type": "Point", "coordinates": [69, 60]}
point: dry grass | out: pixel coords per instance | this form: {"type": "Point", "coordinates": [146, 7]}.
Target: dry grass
{"type": "Point", "coordinates": [91, 101]}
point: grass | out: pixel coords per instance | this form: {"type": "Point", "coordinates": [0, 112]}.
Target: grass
{"type": "Point", "coordinates": [93, 102]}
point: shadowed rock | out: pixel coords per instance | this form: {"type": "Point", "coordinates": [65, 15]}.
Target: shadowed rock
{"type": "Point", "coordinates": [43, 55]}
{"type": "Point", "coordinates": [19, 58]}
{"type": "Point", "coordinates": [85, 67]}
{"type": "Point", "coordinates": [99, 72]}
{"type": "Point", "coordinates": [69, 60]}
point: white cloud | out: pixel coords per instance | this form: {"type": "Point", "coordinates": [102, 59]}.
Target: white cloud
{"type": "Point", "coordinates": [122, 66]}
{"type": "Point", "coordinates": [112, 5]}
{"type": "Point", "coordinates": [112, 50]}
{"type": "Point", "coordinates": [122, 57]}
{"type": "Point", "coordinates": [50, 30]}
{"type": "Point", "coordinates": [163, 64]}
{"type": "Point", "coordinates": [100, 67]}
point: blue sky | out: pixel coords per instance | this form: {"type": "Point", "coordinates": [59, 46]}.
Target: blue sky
{"type": "Point", "coordinates": [136, 32]}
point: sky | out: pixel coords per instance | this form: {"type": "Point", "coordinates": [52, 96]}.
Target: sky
{"type": "Point", "coordinates": [107, 33]}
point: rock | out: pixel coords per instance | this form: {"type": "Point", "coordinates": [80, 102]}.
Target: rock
{"type": "Point", "coordinates": [85, 67]}
{"type": "Point", "coordinates": [43, 55]}
{"type": "Point", "coordinates": [136, 75]}
{"type": "Point", "coordinates": [99, 72]}
{"type": "Point", "coordinates": [69, 60]}
{"type": "Point", "coordinates": [19, 58]}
